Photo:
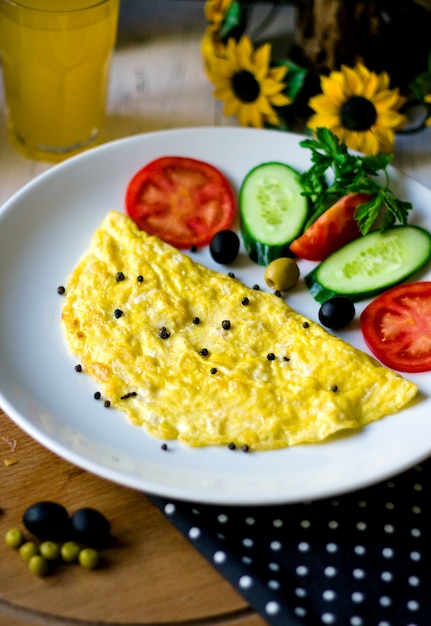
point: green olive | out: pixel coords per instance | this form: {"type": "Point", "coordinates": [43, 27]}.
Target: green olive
{"type": "Point", "coordinates": [49, 550]}
{"type": "Point", "coordinates": [70, 551]}
{"type": "Point", "coordinates": [281, 274]}
{"type": "Point", "coordinates": [89, 558]}
{"type": "Point", "coordinates": [38, 565]}
{"type": "Point", "coordinates": [14, 538]}
{"type": "Point", "coordinates": [28, 549]}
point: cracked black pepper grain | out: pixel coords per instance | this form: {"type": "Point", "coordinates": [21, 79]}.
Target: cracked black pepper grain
{"type": "Point", "coordinates": [213, 370]}
{"type": "Point", "coordinates": [245, 301]}
{"type": "Point", "coordinates": [256, 287]}
{"type": "Point", "coordinates": [131, 394]}
{"type": "Point", "coordinates": [118, 313]}
{"type": "Point", "coordinates": [334, 388]}
{"type": "Point", "coordinates": [196, 320]}
{"type": "Point", "coordinates": [225, 324]}
{"type": "Point", "coordinates": [286, 358]}
{"type": "Point", "coordinates": [245, 448]}
{"type": "Point", "coordinates": [270, 356]}
{"type": "Point", "coordinates": [231, 275]}
{"type": "Point", "coordinates": [119, 276]}
{"type": "Point", "coordinates": [203, 352]}
{"type": "Point", "coordinates": [277, 293]}
{"type": "Point", "coordinates": [78, 368]}
{"type": "Point", "coordinates": [231, 446]}
{"type": "Point", "coordinates": [140, 279]}
{"type": "Point", "coordinates": [305, 324]}
{"type": "Point", "coordinates": [164, 446]}
{"type": "Point", "coordinates": [61, 290]}
{"type": "Point", "coordinates": [163, 333]}
{"type": "Point", "coordinates": [97, 395]}
{"type": "Point", "coordinates": [107, 404]}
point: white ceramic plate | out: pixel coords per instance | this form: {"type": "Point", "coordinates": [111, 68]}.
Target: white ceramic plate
{"type": "Point", "coordinates": [47, 226]}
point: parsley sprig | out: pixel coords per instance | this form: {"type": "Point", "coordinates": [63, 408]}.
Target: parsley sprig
{"type": "Point", "coordinates": [351, 173]}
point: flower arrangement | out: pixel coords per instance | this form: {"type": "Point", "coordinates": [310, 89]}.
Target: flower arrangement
{"type": "Point", "coordinates": [357, 103]}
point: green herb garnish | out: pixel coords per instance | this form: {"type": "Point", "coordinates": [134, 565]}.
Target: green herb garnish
{"type": "Point", "coordinates": [351, 174]}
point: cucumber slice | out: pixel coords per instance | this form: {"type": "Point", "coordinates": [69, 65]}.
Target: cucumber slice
{"type": "Point", "coordinates": [272, 211]}
{"type": "Point", "coordinates": [371, 264]}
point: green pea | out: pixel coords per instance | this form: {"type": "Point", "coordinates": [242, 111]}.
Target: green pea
{"type": "Point", "coordinates": [28, 549]}
{"type": "Point", "coordinates": [49, 550]}
{"type": "Point", "coordinates": [38, 565]}
{"type": "Point", "coordinates": [89, 558]}
{"type": "Point", "coordinates": [14, 538]}
{"type": "Point", "coordinates": [70, 551]}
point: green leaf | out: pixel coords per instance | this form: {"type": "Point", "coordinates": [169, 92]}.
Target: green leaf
{"type": "Point", "coordinates": [234, 23]}
{"type": "Point", "coordinates": [367, 213]}
{"type": "Point", "coordinates": [294, 79]}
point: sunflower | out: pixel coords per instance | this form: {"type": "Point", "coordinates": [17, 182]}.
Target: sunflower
{"type": "Point", "coordinates": [249, 87]}
{"type": "Point", "coordinates": [427, 99]}
{"type": "Point", "coordinates": [216, 10]}
{"type": "Point", "coordinates": [358, 106]}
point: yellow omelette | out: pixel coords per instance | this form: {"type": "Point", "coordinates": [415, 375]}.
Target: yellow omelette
{"type": "Point", "coordinates": [195, 355]}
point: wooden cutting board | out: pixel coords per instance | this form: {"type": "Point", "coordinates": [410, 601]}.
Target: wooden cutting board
{"type": "Point", "coordinates": [150, 574]}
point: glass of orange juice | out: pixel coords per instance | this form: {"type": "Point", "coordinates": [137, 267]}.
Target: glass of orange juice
{"type": "Point", "coordinates": [56, 58]}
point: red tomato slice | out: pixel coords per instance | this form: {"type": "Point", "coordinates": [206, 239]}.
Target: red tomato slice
{"type": "Point", "coordinates": [182, 201]}
{"type": "Point", "coordinates": [333, 229]}
{"type": "Point", "coordinates": [397, 327]}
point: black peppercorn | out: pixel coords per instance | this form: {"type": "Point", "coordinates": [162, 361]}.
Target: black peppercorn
{"type": "Point", "coordinates": [305, 325]}
{"type": "Point", "coordinates": [245, 301]}
{"type": "Point", "coordinates": [193, 248]}
{"type": "Point", "coordinates": [78, 368]}
{"type": "Point", "coordinates": [231, 275]}
{"type": "Point", "coordinates": [225, 324]}
{"type": "Point", "coordinates": [119, 276]}
{"type": "Point", "coordinates": [245, 448]}
{"type": "Point", "coordinates": [118, 313]}
{"type": "Point", "coordinates": [203, 352]}
{"type": "Point", "coordinates": [106, 404]}
{"type": "Point", "coordinates": [140, 279]}
{"type": "Point", "coordinates": [163, 333]}
{"type": "Point", "coordinates": [196, 320]}
{"type": "Point", "coordinates": [164, 446]}
{"type": "Point", "coordinates": [256, 287]}
{"type": "Point", "coordinates": [278, 293]}
{"type": "Point", "coordinates": [270, 356]}
{"type": "Point", "coordinates": [231, 446]}
{"type": "Point", "coordinates": [334, 388]}
{"type": "Point", "coordinates": [213, 370]}
{"type": "Point", "coordinates": [97, 395]}
{"type": "Point", "coordinates": [61, 290]}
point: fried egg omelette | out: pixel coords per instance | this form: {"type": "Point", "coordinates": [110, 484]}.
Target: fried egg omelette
{"type": "Point", "coordinates": [195, 355]}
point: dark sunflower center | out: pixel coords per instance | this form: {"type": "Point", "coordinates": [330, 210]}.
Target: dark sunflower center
{"type": "Point", "coordinates": [245, 86]}
{"type": "Point", "coordinates": [358, 113]}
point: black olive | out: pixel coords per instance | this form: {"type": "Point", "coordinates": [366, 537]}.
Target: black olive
{"type": "Point", "coordinates": [337, 312]}
{"type": "Point", "coordinates": [90, 527]}
{"type": "Point", "coordinates": [47, 520]}
{"type": "Point", "coordinates": [224, 247]}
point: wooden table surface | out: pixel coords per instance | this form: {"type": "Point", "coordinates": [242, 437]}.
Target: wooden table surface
{"type": "Point", "coordinates": [151, 574]}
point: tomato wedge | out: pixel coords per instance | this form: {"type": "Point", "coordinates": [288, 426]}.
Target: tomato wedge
{"type": "Point", "coordinates": [397, 327]}
{"type": "Point", "coordinates": [182, 201]}
{"type": "Point", "coordinates": [332, 230]}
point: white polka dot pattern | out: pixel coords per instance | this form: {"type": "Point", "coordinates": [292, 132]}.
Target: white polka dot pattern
{"type": "Point", "coordinates": [362, 559]}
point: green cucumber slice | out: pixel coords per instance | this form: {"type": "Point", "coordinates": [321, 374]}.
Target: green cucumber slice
{"type": "Point", "coordinates": [272, 211]}
{"type": "Point", "coordinates": [371, 264]}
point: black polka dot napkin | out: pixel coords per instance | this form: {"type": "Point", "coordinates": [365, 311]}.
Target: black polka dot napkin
{"type": "Point", "coordinates": [361, 559]}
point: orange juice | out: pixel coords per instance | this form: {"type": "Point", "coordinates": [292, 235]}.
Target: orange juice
{"type": "Point", "coordinates": [56, 57]}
